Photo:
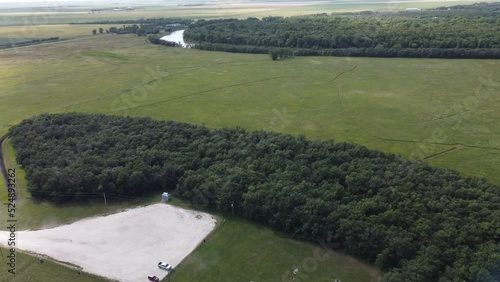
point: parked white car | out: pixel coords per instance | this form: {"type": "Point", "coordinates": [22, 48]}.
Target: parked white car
{"type": "Point", "coordinates": [165, 266]}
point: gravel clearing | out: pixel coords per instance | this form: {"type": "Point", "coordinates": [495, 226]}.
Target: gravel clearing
{"type": "Point", "coordinates": [125, 246]}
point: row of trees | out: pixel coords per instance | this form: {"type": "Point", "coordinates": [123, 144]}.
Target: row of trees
{"type": "Point", "coordinates": [281, 54]}
{"type": "Point", "coordinates": [231, 48]}
{"type": "Point", "coordinates": [143, 27]}
{"type": "Point", "coordinates": [465, 53]}
{"type": "Point", "coordinates": [149, 21]}
{"type": "Point", "coordinates": [387, 33]}
{"type": "Point", "coordinates": [28, 42]}
{"type": "Point", "coordinates": [416, 222]}
{"type": "Point", "coordinates": [473, 9]}
{"type": "Point", "coordinates": [125, 29]}
{"type": "Point", "coordinates": [139, 30]}
{"type": "Point", "coordinates": [101, 30]}
{"type": "Point", "coordinates": [156, 40]}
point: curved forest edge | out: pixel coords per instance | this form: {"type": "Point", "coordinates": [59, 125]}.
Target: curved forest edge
{"type": "Point", "coordinates": [414, 221]}
{"type": "Point", "coordinates": [463, 31]}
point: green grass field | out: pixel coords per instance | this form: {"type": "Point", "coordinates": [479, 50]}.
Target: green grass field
{"type": "Point", "coordinates": [243, 251]}
{"type": "Point", "coordinates": [28, 268]}
{"type": "Point", "coordinates": [443, 110]}
{"type": "Point", "coordinates": [20, 33]}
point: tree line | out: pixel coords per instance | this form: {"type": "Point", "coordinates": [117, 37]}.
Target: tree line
{"type": "Point", "coordinates": [28, 42]}
{"type": "Point", "coordinates": [155, 39]}
{"type": "Point", "coordinates": [438, 33]}
{"type": "Point", "coordinates": [143, 27]}
{"type": "Point", "coordinates": [464, 53]}
{"type": "Point", "coordinates": [157, 21]}
{"type": "Point", "coordinates": [415, 221]}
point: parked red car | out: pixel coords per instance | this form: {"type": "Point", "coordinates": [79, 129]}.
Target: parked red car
{"type": "Point", "coordinates": [153, 278]}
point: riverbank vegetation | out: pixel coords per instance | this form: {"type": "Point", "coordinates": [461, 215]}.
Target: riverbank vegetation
{"type": "Point", "coordinates": [458, 32]}
{"type": "Point", "coordinates": [144, 27]}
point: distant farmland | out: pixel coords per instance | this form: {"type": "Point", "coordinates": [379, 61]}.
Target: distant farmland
{"type": "Point", "coordinates": [56, 14]}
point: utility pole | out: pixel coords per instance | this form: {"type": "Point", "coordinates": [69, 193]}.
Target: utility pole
{"type": "Point", "coordinates": [105, 203]}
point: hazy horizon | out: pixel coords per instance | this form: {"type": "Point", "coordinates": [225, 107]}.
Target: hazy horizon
{"type": "Point", "coordinates": [93, 1]}
{"type": "Point", "coordinates": [152, 1]}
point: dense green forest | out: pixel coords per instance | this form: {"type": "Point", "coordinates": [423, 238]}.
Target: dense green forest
{"type": "Point", "coordinates": [415, 221]}
{"type": "Point", "coordinates": [461, 32]}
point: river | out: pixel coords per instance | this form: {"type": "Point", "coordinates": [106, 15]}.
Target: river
{"type": "Point", "coordinates": [177, 37]}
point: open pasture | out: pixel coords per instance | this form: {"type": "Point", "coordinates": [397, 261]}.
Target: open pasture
{"type": "Point", "coordinates": [244, 251]}
{"type": "Point", "coordinates": [27, 32]}
{"type": "Point", "coordinates": [444, 111]}
{"type": "Point", "coordinates": [28, 268]}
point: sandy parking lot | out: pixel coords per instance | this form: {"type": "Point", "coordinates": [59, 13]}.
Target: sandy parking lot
{"type": "Point", "coordinates": [125, 246]}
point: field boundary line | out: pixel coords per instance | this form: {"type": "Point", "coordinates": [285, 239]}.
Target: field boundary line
{"type": "Point", "coordinates": [456, 145]}
{"type": "Point", "coordinates": [65, 108]}
{"type": "Point", "coordinates": [431, 143]}
{"type": "Point", "coordinates": [201, 92]}
{"type": "Point", "coordinates": [341, 73]}
{"type": "Point", "coordinates": [55, 42]}
{"type": "Point", "coordinates": [438, 154]}
{"type": "Point", "coordinates": [458, 113]}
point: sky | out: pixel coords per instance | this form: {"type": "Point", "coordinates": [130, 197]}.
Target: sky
{"type": "Point", "coordinates": [73, 1]}
{"type": "Point", "coordinates": [44, 1]}
{"type": "Point", "coordinates": [51, 1]}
